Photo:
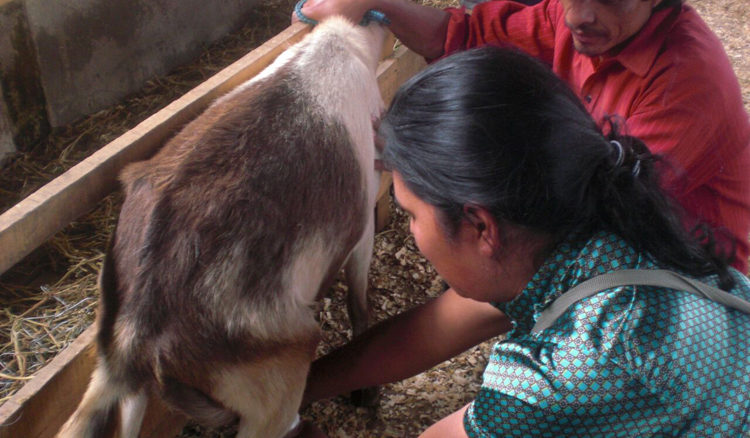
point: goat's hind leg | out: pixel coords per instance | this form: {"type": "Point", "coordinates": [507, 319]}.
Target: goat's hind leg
{"type": "Point", "coordinates": [132, 411]}
{"type": "Point", "coordinates": [96, 415]}
{"type": "Point", "coordinates": [356, 270]}
{"type": "Point", "coordinates": [266, 394]}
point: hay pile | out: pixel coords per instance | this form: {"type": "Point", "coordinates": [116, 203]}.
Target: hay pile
{"type": "Point", "coordinates": [50, 297]}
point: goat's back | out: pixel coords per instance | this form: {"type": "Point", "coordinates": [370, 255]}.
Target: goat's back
{"type": "Point", "coordinates": [227, 234]}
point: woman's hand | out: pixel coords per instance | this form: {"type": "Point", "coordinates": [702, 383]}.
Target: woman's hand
{"type": "Point", "coordinates": [307, 429]}
{"type": "Point", "coordinates": [405, 345]}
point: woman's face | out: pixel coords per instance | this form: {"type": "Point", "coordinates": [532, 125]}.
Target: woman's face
{"type": "Point", "coordinates": [458, 259]}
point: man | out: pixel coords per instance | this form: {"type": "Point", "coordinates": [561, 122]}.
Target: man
{"type": "Point", "coordinates": [653, 64]}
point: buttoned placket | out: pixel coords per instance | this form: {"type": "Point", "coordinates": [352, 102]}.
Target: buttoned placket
{"type": "Point", "coordinates": [591, 90]}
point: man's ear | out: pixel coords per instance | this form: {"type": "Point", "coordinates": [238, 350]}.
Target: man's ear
{"type": "Point", "coordinates": [485, 228]}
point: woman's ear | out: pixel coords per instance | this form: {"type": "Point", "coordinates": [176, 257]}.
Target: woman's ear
{"type": "Point", "coordinates": [485, 229]}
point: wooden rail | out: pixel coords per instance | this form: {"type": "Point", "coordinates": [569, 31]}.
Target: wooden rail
{"type": "Point", "coordinates": [47, 400]}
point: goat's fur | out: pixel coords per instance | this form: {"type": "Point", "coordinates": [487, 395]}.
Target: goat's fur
{"type": "Point", "coordinates": [229, 234]}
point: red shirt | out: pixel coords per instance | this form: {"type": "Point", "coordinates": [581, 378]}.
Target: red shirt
{"type": "Point", "coordinates": [672, 84]}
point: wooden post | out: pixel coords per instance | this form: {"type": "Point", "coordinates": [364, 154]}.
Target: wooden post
{"type": "Point", "coordinates": [383, 205]}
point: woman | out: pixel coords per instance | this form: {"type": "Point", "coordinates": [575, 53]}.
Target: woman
{"type": "Point", "coordinates": [515, 196]}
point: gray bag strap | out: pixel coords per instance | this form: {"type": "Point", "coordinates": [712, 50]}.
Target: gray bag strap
{"type": "Point", "coordinates": [640, 277]}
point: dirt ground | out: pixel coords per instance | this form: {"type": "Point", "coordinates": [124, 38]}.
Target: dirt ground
{"type": "Point", "coordinates": [400, 277]}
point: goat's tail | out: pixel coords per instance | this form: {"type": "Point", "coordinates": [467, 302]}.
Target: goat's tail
{"type": "Point", "coordinates": [97, 414]}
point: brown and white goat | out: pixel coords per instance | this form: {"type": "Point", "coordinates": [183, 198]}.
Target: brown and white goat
{"type": "Point", "coordinates": [229, 235]}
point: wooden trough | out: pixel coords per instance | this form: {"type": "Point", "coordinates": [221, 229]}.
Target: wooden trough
{"type": "Point", "coordinates": [47, 400]}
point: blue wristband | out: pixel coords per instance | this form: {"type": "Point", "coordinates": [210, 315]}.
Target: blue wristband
{"type": "Point", "coordinates": [371, 15]}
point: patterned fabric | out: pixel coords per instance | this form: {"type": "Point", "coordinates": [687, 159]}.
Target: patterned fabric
{"type": "Point", "coordinates": [629, 361]}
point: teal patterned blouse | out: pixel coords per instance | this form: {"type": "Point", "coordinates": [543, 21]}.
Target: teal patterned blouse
{"type": "Point", "coordinates": [629, 361]}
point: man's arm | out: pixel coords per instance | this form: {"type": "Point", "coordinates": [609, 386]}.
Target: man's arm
{"type": "Point", "coordinates": [420, 28]}
{"type": "Point", "coordinates": [406, 345]}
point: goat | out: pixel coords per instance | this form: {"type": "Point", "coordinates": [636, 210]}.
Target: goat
{"type": "Point", "coordinates": [228, 236]}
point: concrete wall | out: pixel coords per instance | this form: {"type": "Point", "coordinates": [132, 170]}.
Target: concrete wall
{"type": "Point", "coordinates": [7, 146]}
{"type": "Point", "coordinates": [24, 116]}
{"type": "Point", "coordinates": [61, 60]}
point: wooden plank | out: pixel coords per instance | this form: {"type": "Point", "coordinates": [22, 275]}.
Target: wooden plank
{"type": "Point", "coordinates": [383, 205]}
{"type": "Point", "coordinates": [394, 71]}
{"type": "Point", "coordinates": [34, 220]}
{"type": "Point", "coordinates": [391, 74]}
{"type": "Point", "coordinates": [388, 46]}
{"type": "Point", "coordinates": [46, 401]}
{"type": "Point", "coordinates": [160, 421]}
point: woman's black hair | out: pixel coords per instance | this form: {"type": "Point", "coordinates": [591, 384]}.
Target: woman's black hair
{"type": "Point", "coordinates": [495, 128]}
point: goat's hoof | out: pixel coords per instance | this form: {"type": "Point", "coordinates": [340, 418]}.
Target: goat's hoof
{"type": "Point", "coordinates": [365, 398]}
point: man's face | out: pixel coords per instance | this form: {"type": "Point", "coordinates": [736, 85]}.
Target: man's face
{"type": "Point", "coordinates": [599, 25]}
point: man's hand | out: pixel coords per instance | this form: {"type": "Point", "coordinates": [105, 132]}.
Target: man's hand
{"type": "Point", "coordinates": [317, 10]}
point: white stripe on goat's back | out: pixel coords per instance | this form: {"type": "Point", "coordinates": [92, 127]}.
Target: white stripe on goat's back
{"type": "Point", "coordinates": [338, 65]}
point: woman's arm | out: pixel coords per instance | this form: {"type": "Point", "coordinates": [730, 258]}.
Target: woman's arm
{"type": "Point", "coordinates": [451, 426]}
{"type": "Point", "coordinates": [420, 28]}
{"type": "Point", "coordinates": [405, 345]}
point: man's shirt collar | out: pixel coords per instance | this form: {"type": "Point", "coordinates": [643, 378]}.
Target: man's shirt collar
{"type": "Point", "coordinates": [640, 54]}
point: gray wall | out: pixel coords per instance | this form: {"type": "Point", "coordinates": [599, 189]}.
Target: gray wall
{"type": "Point", "coordinates": [23, 116]}
{"type": "Point", "coordinates": [63, 59]}
{"type": "Point", "coordinates": [7, 146]}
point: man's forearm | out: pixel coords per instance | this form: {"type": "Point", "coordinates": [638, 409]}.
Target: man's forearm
{"type": "Point", "coordinates": [421, 28]}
